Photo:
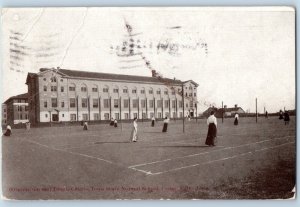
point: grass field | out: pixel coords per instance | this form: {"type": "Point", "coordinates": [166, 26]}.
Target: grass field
{"type": "Point", "coordinates": [251, 161]}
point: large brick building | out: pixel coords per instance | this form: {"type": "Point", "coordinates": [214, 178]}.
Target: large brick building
{"type": "Point", "coordinates": [15, 110]}
{"type": "Point", "coordinates": [68, 95]}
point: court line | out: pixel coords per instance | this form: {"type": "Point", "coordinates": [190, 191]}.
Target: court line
{"type": "Point", "coordinates": [70, 152]}
{"type": "Point", "coordinates": [222, 159]}
{"type": "Point", "coordinates": [207, 152]}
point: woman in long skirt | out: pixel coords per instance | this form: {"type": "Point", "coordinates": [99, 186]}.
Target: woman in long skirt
{"type": "Point", "coordinates": [166, 122]}
{"type": "Point", "coordinates": [153, 121]}
{"type": "Point", "coordinates": [8, 131]}
{"type": "Point", "coordinates": [236, 119]}
{"type": "Point", "coordinates": [286, 118]}
{"type": "Point", "coordinates": [280, 114]}
{"type": "Point", "coordinates": [111, 122]}
{"type": "Point", "coordinates": [85, 126]}
{"type": "Point", "coordinates": [133, 136]}
{"type": "Point", "coordinates": [212, 129]}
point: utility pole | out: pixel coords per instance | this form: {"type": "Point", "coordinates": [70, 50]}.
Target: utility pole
{"type": "Point", "coordinates": [222, 113]}
{"type": "Point", "coordinates": [182, 107]}
{"type": "Point", "coordinates": [256, 109]}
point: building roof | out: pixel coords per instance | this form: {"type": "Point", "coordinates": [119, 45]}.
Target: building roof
{"type": "Point", "coordinates": [20, 96]}
{"type": "Point", "coordinates": [110, 76]}
{"type": "Point", "coordinates": [232, 109]}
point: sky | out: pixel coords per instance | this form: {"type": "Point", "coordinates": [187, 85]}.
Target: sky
{"type": "Point", "coordinates": [235, 54]}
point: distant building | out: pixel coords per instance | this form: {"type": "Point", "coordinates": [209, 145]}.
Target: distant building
{"type": "Point", "coordinates": [227, 111]}
{"type": "Point", "coordinates": [16, 108]}
{"type": "Point", "coordinates": [57, 95]}
{"type": "Point", "coordinates": [232, 111]}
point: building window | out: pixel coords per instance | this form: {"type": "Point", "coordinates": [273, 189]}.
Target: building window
{"type": "Point", "coordinates": [105, 90]}
{"type": "Point", "coordinates": [173, 104]}
{"type": "Point", "coordinates": [144, 115]}
{"type": "Point", "coordinates": [94, 89]}
{"type": "Point", "coordinates": [72, 103]}
{"type": "Point", "coordinates": [194, 94]}
{"type": "Point", "coordinates": [106, 116]}
{"type": "Point", "coordinates": [62, 89]}
{"type": "Point", "coordinates": [126, 115]}
{"type": "Point", "coordinates": [135, 115]}
{"type": "Point", "coordinates": [190, 87]}
{"type": "Point", "coordinates": [159, 115]}
{"type": "Point", "coordinates": [72, 88]}
{"type": "Point", "coordinates": [117, 116]}
{"type": "Point", "coordinates": [174, 115]}
{"type": "Point", "coordinates": [151, 114]}
{"type": "Point", "coordinates": [133, 90]}
{"type": "Point", "coordinates": [167, 114]}
{"type": "Point", "coordinates": [45, 104]}
{"type": "Point", "coordinates": [158, 92]}
{"type": "Point", "coordinates": [106, 103]}
{"type": "Point", "coordinates": [61, 80]}
{"type": "Point", "coordinates": [96, 116]}
{"type": "Point", "coordinates": [4, 110]}
{"type": "Point", "coordinates": [26, 116]}
{"type": "Point", "coordinates": [135, 103]}
{"type": "Point", "coordinates": [116, 103]}
{"type": "Point", "coordinates": [63, 115]}
{"type": "Point", "coordinates": [53, 88]}
{"type": "Point", "coordinates": [166, 103]}
{"type": "Point", "coordinates": [73, 117]}
{"type": "Point", "coordinates": [181, 114]}
{"type": "Point", "coordinates": [180, 104]}
{"type": "Point", "coordinates": [151, 103]}
{"type": "Point", "coordinates": [191, 104]}
{"type": "Point", "coordinates": [84, 102]}
{"type": "Point", "coordinates": [116, 90]}
{"type": "Point", "coordinates": [186, 94]}
{"type": "Point", "coordinates": [54, 102]}
{"type": "Point", "coordinates": [126, 103]}
{"type": "Point", "coordinates": [173, 92]}
{"type": "Point", "coordinates": [45, 88]}
{"type": "Point", "coordinates": [191, 94]}
{"type": "Point", "coordinates": [143, 103]}
{"type": "Point", "coordinates": [83, 89]}
{"type": "Point", "coordinates": [45, 79]}
{"type": "Point", "coordinates": [62, 104]}
{"type": "Point", "coordinates": [53, 79]}
{"type": "Point", "coordinates": [166, 92]}
{"type": "Point", "coordinates": [186, 105]}
{"type": "Point", "coordinates": [125, 90]}
{"type": "Point", "coordinates": [195, 105]}
{"type": "Point", "coordinates": [143, 91]}
{"type": "Point", "coordinates": [46, 115]}
{"type": "Point", "coordinates": [159, 103]}
{"type": "Point", "coordinates": [95, 103]}
{"type": "Point", "coordinates": [85, 117]}
{"type": "Point", "coordinates": [150, 91]}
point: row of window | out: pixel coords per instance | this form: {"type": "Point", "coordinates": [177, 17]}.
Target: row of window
{"type": "Point", "coordinates": [22, 108]}
{"type": "Point", "coordinates": [85, 117]}
{"type": "Point", "coordinates": [115, 90]}
{"type": "Point", "coordinates": [116, 103]}
{"type": "Point", "coordinates": [106, 90]}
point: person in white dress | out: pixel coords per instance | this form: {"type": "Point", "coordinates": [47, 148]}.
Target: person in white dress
{"type": "Point", "coordinates": [133, 136]}
{"type": "Point", "coordinates": [236, 119]}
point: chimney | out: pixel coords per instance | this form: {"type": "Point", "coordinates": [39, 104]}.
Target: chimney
{"type": "Point", "coordinates": [235, 106]}
{"type": "Point", "coordinates": [153, 73]}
